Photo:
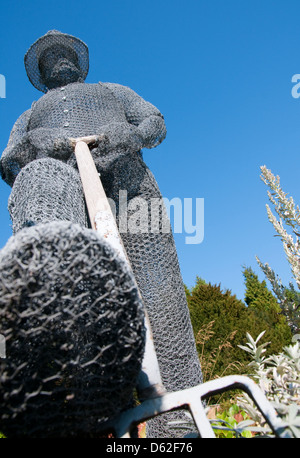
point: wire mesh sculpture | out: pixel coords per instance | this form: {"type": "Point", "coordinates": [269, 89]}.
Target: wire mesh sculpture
{"type": "Point", "coordinates": [40, 166]}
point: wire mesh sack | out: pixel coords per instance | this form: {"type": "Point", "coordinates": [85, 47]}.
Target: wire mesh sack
{"type": "Point", "coordinates": [74, 330]}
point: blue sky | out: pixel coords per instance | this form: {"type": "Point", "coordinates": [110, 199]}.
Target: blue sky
{"type": "Point", "coordinates": [220, 72]}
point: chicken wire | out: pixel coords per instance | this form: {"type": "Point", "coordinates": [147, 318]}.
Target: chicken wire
{"type": "Point", "coordinates": [54, 41]}
{"type": "Point", "coordinates": [37, 198]}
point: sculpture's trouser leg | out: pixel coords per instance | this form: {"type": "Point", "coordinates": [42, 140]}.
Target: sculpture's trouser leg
{"type": "Point", "coordinates": [46, 190]}
{"type": "Point", "coordinates": [156, 270]}
{"type": "Point", "coordinates": [157, 273]}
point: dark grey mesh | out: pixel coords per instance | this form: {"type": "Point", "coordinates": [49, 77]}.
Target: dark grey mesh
{"type": "Point", "coordinates": [78, 109]}
{"type": "Point", "coordinates": [128, 124]}
{"type": "Point", "coordinates": [54, 40]}
{"type": "Point", "coordinates": [73, 324]}
{"type": "Point", "coordinates": [44, 190]}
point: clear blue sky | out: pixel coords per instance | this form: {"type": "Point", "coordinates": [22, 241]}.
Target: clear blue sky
{"type": "Point", "coordinates": [220, 72]}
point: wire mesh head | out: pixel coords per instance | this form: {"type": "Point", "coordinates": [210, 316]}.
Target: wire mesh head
{"type": "Point", "coordinates": [74, 329]}
{"type": "Point", "coordinates": [54, 40]}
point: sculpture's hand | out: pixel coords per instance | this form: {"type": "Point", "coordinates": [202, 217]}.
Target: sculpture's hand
{"type": "Point", "coordinates": [62, 149]}
{"type": "Point", "coordinates": [50, 143]}
{"type": "Point", "coordinates": [122, 136]}
{"type": "Point", "coordinates": [153, 130]}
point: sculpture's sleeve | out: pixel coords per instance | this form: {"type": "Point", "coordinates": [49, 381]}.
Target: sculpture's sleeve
{"type": "Point", "coordinates": [18, 151]}
{"type": "Point", "coordinates": [142, 114]}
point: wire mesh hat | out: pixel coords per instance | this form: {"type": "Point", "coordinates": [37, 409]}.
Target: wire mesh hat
{"type": "Point", "coordinates": [54, 38]}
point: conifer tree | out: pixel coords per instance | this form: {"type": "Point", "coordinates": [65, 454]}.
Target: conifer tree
{"type": "Point", "coordinates": [263, 303]}
{"type": "Point", "coordinates": [221, 321]}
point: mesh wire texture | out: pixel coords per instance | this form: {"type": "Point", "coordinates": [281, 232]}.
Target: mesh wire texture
{"type": "Point", "coordinates": [54, 41]}
{"type": "Point", "coordinates": [37, 198]}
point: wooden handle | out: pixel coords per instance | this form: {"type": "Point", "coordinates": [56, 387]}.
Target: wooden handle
{"type": "Point", "coordinates": [100, 214]}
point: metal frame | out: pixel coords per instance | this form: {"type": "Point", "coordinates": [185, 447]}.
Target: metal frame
{"type": "Point", "coordinates": [191, 399]}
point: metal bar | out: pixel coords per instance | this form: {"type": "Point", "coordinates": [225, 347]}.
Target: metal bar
{"type": "Point", "coordinates": [191, 399]}
{"type": "Point", "coordinates": [200, 419]}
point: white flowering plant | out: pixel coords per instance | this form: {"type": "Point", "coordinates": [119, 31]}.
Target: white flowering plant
{"type": "Point", "coordinates": [287, 227]}
{"type": "Point", "coordinates": [278, 376]}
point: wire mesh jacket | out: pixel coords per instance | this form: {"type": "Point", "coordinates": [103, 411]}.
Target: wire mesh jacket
{"type": "Point", "coordinates": [40, 165]}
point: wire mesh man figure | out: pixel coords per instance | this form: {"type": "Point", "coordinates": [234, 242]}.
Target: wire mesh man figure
{"type": "Point", "coordinates": [40, 166]}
